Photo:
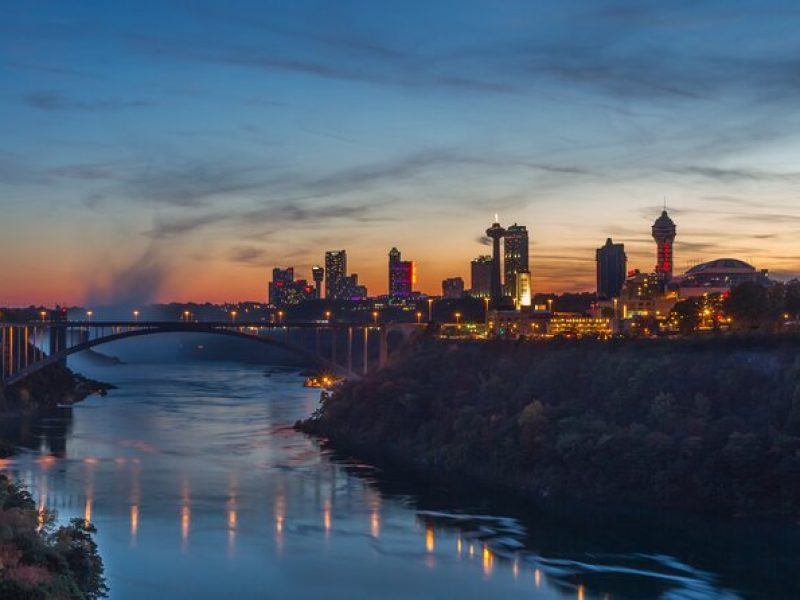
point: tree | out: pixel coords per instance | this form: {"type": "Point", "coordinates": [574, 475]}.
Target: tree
{"type": "Point", "coordinates": [748, 304]}
{"type": "Point", "coordinates": [687, 313]}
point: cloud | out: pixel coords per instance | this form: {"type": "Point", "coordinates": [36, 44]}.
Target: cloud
{"type": "Point", "coordinates": [733, 175]}
{"type": "Point", "coordinates": [182, 224]}
{"type": "Point", "coordinates": [248, 255]}
{"type": "Point", "coordinates": [54, 101]}
{"type": "Point", "coordinates": [191, 184]}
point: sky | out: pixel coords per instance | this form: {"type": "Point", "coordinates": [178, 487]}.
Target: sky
{"type": "Point", "coordinates": [179, 150]}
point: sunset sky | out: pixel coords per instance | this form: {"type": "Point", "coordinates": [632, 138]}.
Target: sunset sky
{"type": "Point", "coordinates": [157, 150]}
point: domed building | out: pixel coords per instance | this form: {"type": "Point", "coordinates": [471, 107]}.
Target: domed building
{"type": "Point", "coordinates": [718, 276]}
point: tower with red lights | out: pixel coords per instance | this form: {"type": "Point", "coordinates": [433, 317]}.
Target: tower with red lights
{"type": "Point", "coordinates": [664, 234]}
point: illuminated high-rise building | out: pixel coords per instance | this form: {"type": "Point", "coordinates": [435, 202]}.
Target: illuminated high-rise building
{"type": "Point", "coordinates": [496, 233]}
{"type": "Point", "coordinates": [285, 290]}
{"type": "Point", "coordinates": [612, 269]}
{"type": "Point", "coordinates": [664, 234]}
{"type": "Point", "coordinates": [481, 276]}
{"type": "Point", "coordinates": [335, 273]}
{"type": "Point", "coordinates": [522, 292]}
{"type": "Point", "coordinates": [280, 279]}
{"type": "Point", "coordinates": [515, 256]}
{"type": "Point", "coordinates": [402, 275]}
{"type": "Point", "coordinates": [317, 274]}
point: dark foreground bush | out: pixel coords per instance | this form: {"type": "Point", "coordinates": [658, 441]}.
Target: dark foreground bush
{"type": "Point", "coordinates": [40, 561]}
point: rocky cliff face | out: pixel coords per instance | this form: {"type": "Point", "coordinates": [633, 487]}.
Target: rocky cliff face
{"type": "Point", "coordinates": [46, 389]}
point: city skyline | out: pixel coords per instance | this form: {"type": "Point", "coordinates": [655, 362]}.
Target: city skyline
{"type": "Point", "coordinates": [138, 163]}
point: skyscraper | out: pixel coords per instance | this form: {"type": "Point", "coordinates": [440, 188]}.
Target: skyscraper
{"type": "Point", "coordinates": [481, 276]}
{"type": "Point", "coordinates": [317, 274]}
{"type": "Point", "coordinates": [515, 255]}
{"type": "Point", "coordinates": [394, 258]}
{"type": "Point", "coordinates": [285, 290]}
{"type": "Point", "coordinates": [402, 275]}
{"type": "Point", "coordinates": [335, 273]}
{"type": "Point", "coordinates": [496, 232]}
{"type": "Point", "coordinates": [612, 267]}
{"type": "Point", "coordinates": [664, 234]}
{"type": "Point", "coordinates": [453, 287]}
{"type": "Point", "coordinates": [280, 279]}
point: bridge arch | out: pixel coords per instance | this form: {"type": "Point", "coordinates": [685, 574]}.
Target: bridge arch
{"type": "Point", "coordinates": [312, 358]}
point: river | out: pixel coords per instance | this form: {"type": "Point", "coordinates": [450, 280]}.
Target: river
{"type": "Point", "coordinates": [200, 488]}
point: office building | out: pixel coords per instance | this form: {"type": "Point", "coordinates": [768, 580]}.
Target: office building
{"type": "Point", "coordinates": [612, 268]}
{"type": "Point", "coordinates": [453, 287]}
{"type": "Point", "coordinates": [280, 279]}
{"type": "Point", "coordinates": [402, 275]}
{"type": "Point", "coordinates": [515, 256]}
{"type": "Point", "coordinates": [335, 273]}
{"type": "Point", "coordinates": [351, 290]}
{"type": "Point", "coordinates": [285, 290]}
{"type": "Point", "coordinates": [481, 277]}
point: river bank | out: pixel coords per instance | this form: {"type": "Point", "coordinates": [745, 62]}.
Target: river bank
{"type": "Point", "coordinates": [704, 425]}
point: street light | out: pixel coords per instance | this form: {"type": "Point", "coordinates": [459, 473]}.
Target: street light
{"type": "Point", "coordinates": [419, 317]}
{"type": "Point", "coordinates": [43, 314]}
{"type": "Point", "coordinates": [457, 315]}
{"type": "Point", "coordinates": [550, 304]}
{"type": "Point", "coordinates": [280, 316]}
{"type": "Point", "coordinates": [327, 315]}
{"type": "Point", "coordinates": [186, 314]}
{"type": "Point", "coordinates": [430, 309]}
{"type": "Point", "coordinates": [233, 316]}
{"type": "Point", "coordinates": [136, 314]}
{"type": "Point", "coordinates": [374, 317]}
{"type": "Point", "coordinates": [89, 314]}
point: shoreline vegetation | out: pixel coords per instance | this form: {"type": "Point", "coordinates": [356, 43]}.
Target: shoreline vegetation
{"type": "Point", "coordinates": [700, 424]}
{"type": "Point", "coordinates": [40, 560]}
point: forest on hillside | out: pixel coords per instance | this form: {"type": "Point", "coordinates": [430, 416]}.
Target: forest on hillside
{"type": "Point", "coordinates": [702, 423]}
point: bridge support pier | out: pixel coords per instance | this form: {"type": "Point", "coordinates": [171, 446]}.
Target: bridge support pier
{"type": "Point", "coordinates": [366, 348]}
{"type": "Point", "coordinates": [349, 349]}
{"type": "Point", "coordinates": [383, 357]}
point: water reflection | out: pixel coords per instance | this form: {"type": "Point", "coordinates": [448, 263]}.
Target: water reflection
{"type": "Point", "coordinates": [186, 514]}
{"type": "Point", "coordinates": [280, 515]}
{"type": "Point", "coordinates": [237, 473]}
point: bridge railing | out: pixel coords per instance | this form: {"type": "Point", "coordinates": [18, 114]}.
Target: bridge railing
{"type": "Point", "coordinates": [27, 347]}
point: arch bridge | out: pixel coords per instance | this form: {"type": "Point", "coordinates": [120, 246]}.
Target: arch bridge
{"type": "Point", "coordinates": [26, 348]}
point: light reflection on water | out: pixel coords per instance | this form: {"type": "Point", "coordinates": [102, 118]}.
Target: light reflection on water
{"type": "Point", "coordinates": [200, 489]}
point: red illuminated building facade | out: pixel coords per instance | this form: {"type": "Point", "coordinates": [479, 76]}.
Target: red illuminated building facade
{"type": "Point", "coordinates": [402, 275]}
{"type": "Point", "coordinates": [285, 290]}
